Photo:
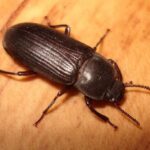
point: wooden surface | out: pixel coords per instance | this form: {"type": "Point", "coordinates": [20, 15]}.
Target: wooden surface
{"type": "Point", "coordinates": [70, 125]}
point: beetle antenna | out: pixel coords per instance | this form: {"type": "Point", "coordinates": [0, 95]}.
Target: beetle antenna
{"type": "Point", "coordinates": [130, 84]}
{"type": "Point", "coordinates": [125, 113]}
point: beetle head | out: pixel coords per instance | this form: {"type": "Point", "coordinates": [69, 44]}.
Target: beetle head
{"type": "Point", "coordinates": [116, 92]}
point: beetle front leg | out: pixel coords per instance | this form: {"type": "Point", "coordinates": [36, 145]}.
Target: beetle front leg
{"type": "Point", "coordinates": [60, 93]}
{"type": "Point", "coordinates": [118, 72]}
{"type": "Point", "coordinates": [99, 115]}
{"type": "Point", "coordinates": [67, 27]}
{"type": "Point", "coordinates": [101, 39]}
{"type": "Point", "coordinates": [19, 73]}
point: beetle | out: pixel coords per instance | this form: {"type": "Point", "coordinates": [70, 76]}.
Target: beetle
{"type": "Point", "coordinates": [62, 59]}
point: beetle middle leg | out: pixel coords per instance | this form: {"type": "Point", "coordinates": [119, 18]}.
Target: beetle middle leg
{"type": "Point", "coordinates": [118, 72]}
{"type": "Point", "coordinates": [19, 73]}
{"type": "Point", "coordinates": [101, 116]}
{"type": "Point", "coordinates": [101, 39]}
{"type": "Point", "coordinates": [67, 27]}
{"type": "Point", "coordinates": [60, 93]}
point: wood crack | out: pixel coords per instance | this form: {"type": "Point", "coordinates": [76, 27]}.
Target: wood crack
{"type": "Point", "coordinates": [13, 16]}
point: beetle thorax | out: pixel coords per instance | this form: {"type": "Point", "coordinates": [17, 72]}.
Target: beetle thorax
{"type": "Point", "coordinates": [95, 76]}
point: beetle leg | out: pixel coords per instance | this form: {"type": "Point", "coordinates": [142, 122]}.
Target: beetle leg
{"type": "Point", "coordinates": [99, 115]}
{"type": "Point", "coordinates": [67, 27]}
{"type": "Point", "coordinates": [60, 93]}
{"type": "Point", "coordinates": [19, 73]}
{"type": "Point", "coordinates": [118, 72]}
{"type": "Point", "coordinates": [101, 39]}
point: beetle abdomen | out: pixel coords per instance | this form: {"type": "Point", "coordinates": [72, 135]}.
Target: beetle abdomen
{"type": "Point", "coordinates": [46, 51]}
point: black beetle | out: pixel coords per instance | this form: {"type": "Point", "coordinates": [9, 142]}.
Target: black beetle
{"type": "Point", "coordinates": [60, 58]}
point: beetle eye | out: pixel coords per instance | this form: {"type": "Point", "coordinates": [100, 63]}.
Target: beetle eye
{"type": "Point", "coordinates": [116, 92]}
{"type": "Point", "coordinates": [113, 100]}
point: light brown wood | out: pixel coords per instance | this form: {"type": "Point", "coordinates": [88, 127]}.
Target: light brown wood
{"type": "Point", "coordinates": [70, 124]}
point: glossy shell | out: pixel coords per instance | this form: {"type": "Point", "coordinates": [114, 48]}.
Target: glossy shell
{"type": "Point", "coordinates": [46, 51]}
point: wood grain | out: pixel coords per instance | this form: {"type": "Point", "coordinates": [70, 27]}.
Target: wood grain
{"type": "Point", "coordinates": [70, 125]}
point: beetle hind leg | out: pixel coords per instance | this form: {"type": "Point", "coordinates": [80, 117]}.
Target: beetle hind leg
{"type": "Point", "coordinates": [99, 115]}
{"type": "Point", "coordinates": [19, 73]}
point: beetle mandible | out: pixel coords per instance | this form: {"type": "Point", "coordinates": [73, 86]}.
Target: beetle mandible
{"type": "Point", "coordinates": [62, 59]}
